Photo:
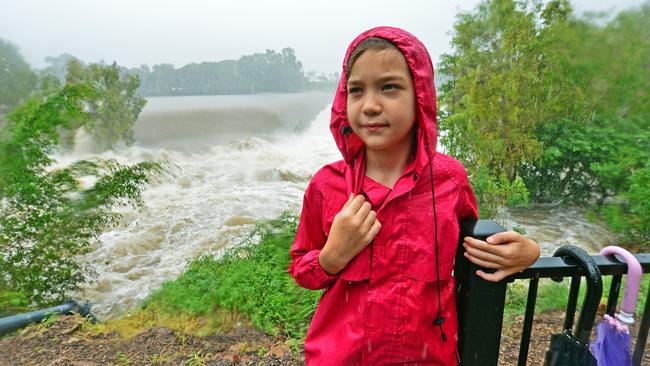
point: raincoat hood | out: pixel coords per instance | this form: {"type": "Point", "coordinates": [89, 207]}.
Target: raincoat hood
{"type": "Point", "coordinates": [421, 68]}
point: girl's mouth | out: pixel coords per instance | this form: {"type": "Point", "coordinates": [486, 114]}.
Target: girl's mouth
{"type": "Point", "coordinates": [373, 127]}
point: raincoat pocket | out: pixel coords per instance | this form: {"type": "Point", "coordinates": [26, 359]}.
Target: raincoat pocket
{"type": "Point", "coordinates": [358, 269]}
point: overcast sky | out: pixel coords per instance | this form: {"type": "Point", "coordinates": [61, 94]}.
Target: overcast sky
{"type": "Point", "coordinates": [150, 32]}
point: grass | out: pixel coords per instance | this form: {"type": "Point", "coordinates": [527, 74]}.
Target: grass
{"type": "Point", "coordinates": [12, 302]}
{"type": "Point", "coordinates": [140, 320]}
{"type": "Point", "coordinates": [250, 279]}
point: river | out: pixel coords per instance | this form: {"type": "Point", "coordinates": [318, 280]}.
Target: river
{"type": "Point", "coordinates": [233, 160]}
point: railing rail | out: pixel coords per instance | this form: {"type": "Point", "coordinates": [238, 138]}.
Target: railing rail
{"type": "Point", "coordinates": [481, 303]}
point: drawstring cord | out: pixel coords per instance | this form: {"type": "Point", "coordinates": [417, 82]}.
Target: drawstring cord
{"type": "Point", "coordinates": [439, 319]}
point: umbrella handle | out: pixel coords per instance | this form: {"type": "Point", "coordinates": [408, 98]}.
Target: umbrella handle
{"type": "Point", "coordinates": [594, 291]}
{"type": "Point", "coordinates": [632, 283]}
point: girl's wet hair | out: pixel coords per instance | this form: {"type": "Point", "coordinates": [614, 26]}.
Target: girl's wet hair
{"type": "Point", "coordinates": [374, 43]}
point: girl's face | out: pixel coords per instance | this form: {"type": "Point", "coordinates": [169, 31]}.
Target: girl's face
{"type": "Point", "coordinates": [381, 99]}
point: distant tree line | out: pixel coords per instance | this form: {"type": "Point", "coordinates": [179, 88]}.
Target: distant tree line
{"type": "Point", "coordinates": [272, 71]}
{"type": "Point", "coordinates": [257, 73]}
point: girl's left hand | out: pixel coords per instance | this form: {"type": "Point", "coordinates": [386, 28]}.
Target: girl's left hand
{"type": "Point", "coordinates": [508, 252]}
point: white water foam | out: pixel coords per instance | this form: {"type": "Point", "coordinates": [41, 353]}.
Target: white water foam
{"type": "Point", "coordinates": [212, 196]}
{"type": "Point", "coordinates": [209, 200]}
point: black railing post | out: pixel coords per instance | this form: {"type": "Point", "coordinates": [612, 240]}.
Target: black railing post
{"type": "Point", "coordinates": [480, 315]}
{"type": "Point", "coordinates": [642, 337]}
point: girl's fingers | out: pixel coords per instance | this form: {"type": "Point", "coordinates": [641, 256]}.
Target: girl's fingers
{"type": "Point", "coordinates": [363, 212]}
{"type": "Point", "coordinates": [367, 223]}
{"type": "Point", "coordinates": [356, 204]}
{"type": "Point", "coordinates": [504, 237]}
{"type": "Point", "coordinates": [494, 277]}
{"type": "Point", "coordinates": [374, 230]}
{"type": "Point", "coordinates": [481, 262]}
{"type": "Point", "coordinates": [484, 256]}
{"type": "Point", "coordinates": [496, 249]}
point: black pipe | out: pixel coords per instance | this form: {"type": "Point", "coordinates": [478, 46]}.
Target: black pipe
{"type": "Point", "coordinates": [15, 322]}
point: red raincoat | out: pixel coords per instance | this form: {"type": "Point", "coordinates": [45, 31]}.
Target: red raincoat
{"type": "Point", "coordinates": [381, 308]}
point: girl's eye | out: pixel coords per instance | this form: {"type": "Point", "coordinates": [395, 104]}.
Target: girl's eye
{"type": "Point", "coordinates": [354, 90]}
{"type": "Point", "coordinates": [390, 87]}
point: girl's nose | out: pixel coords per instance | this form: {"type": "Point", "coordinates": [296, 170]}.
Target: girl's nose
{"type": "Point", "coordinates": [371, 105]}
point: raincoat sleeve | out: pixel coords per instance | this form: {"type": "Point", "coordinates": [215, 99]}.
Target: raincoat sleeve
{"type": "Point", "coordinates": [467, 208]}
{"type": "Point", "coordinates": [310, 238]}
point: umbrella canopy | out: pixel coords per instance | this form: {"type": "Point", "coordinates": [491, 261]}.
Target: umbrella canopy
{"type": "Point", "coordinates": [612, 344]}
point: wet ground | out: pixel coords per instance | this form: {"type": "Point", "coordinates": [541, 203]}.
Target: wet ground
{"type": "Point", "coordinates": [65, 343]}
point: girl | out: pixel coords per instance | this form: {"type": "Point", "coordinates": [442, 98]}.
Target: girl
{"type": "Point", "coordinates": [379, 229]}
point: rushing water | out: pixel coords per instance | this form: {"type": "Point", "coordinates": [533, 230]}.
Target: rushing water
{"type": "Point", "coordinates": [234, 160]}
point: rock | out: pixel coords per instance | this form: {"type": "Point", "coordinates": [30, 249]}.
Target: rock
{"type": "Point", "coordinates": [279, 350]}
{"type": "Point", "coordinates": [238, 347]}
{"type": "Point", "coordinates": [61, 361]}
{"type": "Point", "coordinates": [71, 329]}
{"type": "Point", "coordinates": [70, 340]}
{"type": "Point", "coordinates": [83, 363]}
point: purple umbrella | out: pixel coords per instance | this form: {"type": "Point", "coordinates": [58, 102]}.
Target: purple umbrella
{"type": "Point", "coordinates": [612, 344]}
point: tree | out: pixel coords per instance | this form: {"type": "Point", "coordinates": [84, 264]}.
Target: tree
{"type": "Point", "coordinates": [114, 107]}
{"type": "Point", "coordinates": [46, 218]}
{"type": "Point", "coordinates": [590, 155]}
{"type": "Point", "coordinates": [543, 103]}
{"type": "Point", "coordinates": [257, 73]}
{"type": "Point", "coordinates": [17, 80]}
{"type": "Point", "coordinates": [500, 88]}
{"type": "Point", "coordinates": [58, 65]}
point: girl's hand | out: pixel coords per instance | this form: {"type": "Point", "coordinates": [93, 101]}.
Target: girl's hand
{"type": "Point", "coordinates": [354, 227]}
{"type": "Point", "coordinates": [508, 252]}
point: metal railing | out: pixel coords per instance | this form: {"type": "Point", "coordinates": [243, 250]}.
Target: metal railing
{"type": "Point", "coordinates": [481, 303]}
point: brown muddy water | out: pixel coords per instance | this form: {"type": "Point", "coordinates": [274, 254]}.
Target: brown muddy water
{"type": "Point", "coordinates": [234, 160]}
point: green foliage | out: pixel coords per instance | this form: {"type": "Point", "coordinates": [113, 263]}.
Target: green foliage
{"type": "Point", "coordinates": [583, 162]}
{"type": "Point", "coordinates": [632, 216]}
{"type": "Point", "coordinates": [557, 103]}
{"type": "Point", "coordinates": [494, 192]}
{"type": "Point", "coordinates": [46, 219]}
{"type": "Point", "coordinates": [12, 302]}
{"type": "Point", "coordinates": [251, 279]}
{"type": "Point", "coordinates": [501, 86]}
{"type": "Point", "coordinates": [114, 106]}
{"type": "Point", "coordinates": [503, 83]}
{"type": "Point", "coordinates": [17, 80]}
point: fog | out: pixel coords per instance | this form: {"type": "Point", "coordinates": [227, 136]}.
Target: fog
{"type": "Point", "coordinates": [151, 32]}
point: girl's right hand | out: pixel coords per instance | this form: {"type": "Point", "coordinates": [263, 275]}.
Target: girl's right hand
{"type": "Point", "coordinates": [353, 228]}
